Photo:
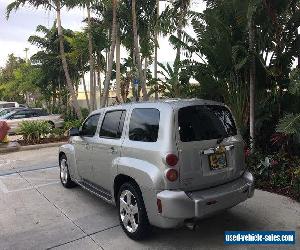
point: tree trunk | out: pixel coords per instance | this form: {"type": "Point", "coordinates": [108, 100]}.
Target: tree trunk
{"type": "Point", "coordinates": [137, 52]}
{"type": "Point", "coordinates": [99, 83]}
{"type": "Point", "coordinates": [118, 66]}
{"type": "Point", "coordinates": [252, 73]}
{"type": "Point", "coordinates": [111, 56]}
{"type": "Point", "coordinates": [156, 50]}
{"type": "Point", "coordinates": [85, 88]}
{"type": "Point", "coordinates": [146, 67]}
{"type": "Point", "coordinates": [65, 64]}
{"type": "Point", "coordinates": [91, 61]}
{"type": "Point", "coordinates": [298, 43]}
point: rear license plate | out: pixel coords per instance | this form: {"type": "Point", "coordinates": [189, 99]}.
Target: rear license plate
{"type": "Point", "coordinates": [217, 161]}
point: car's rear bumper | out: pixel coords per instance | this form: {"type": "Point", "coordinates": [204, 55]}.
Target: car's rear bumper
{"type": "Point", "coordinates": [192, 205]}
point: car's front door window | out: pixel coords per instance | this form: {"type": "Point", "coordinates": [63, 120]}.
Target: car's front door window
{"type": "Point", "coordinates": [90, 126]}
{"type": "Point", "coordinates": [112, 125]}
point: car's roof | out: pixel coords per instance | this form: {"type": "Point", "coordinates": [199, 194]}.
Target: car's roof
{"type": "Point", "coordinates": [174, 103]}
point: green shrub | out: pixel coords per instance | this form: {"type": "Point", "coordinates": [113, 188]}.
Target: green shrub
{"type": "Point", "coordinates": [72, 124]}
{"type": "Point", "coordinates": [33, 131]}
{"type": "Point", "coordinates": [57, 133]}
{"type": "Point", "coordinates": [278, 172]}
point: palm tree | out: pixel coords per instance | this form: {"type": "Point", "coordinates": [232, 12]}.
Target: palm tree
{"type": "Point", "coordinates": [57, 5]}
{"type": "Point", "coordinates": [79, 43]}
{"type": "Point", "coordinates": [111, 55]}
{"type": "Point", "coordinates": [137, 51]}
{"type": "Point", "coordinates": [88, 5]}
{"type": "Point", "coordinates": [252, 73]}
{"type": "Point", "coordinates": [118, 65]}
{"type": "Point", "coordinates": [156, 49]}
{"type": "Point", "coordinates": [91, 61]}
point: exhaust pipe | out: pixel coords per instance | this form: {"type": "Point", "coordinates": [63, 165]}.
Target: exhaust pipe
{"type": "Point", "coordinates": [190, 224]}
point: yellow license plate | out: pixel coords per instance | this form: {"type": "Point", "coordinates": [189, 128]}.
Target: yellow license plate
{"type": "Point", "coordinates": [217, 161]}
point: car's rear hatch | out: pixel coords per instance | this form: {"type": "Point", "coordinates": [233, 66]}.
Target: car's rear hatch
{"type": "Point", "coordinates": [210, 150]}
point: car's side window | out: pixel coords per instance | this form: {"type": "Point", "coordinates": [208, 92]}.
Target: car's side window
{"type": "Point", "coordinates": [112, 125]}
{"type": "Point", "coordinates": [144, 125]}
{"type": "Point", "coordinates": [89, 128]}
{"type": "Point", "coordinates": [21, 115]}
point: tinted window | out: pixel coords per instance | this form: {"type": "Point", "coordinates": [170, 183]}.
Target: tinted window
{"type": "Point", "coordinates": [112, 125]}
{"type": "Point", "coordinates": [197, 123]}
{"type": "Point", "coordinates": [22, 114]}
{"type": "Point", "coordinates": [40, 112]}
{"type": "Point", "coordinates": [144, 125]}
{"type": "Point", "coordinates": [90, 126]}
{"type": "Point", "coordinates": [8, 105]}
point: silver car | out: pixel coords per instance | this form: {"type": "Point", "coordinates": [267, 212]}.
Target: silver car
{"type": "Point", "coordinates": [14, 118]}
{"type": "Point", "coordinates": [161, 163]}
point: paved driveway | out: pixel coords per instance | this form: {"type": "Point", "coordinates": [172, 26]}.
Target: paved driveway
{"type": "Point", "coordinates": [36, 212]}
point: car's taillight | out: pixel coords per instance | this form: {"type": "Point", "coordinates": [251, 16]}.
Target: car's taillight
{"type": "Point", "coordinates": [159, 206]}
{"type": "Point", "coordinates": [172, 175]}
{"type": "Point", "coordinates": [172, 160]}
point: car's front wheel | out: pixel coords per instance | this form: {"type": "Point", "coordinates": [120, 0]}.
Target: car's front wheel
{"type": "Point", "coordinates": [64, 173]}
{"type": "Point", "coordinates": [132, 213]}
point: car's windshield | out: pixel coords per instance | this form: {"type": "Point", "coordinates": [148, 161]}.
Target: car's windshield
{"type": "Point", "coordinates": [4, 112]}
{"type": "Point", "coordinates": [7, 115]}
{"type": "Point", "coordinates": [205, 122]}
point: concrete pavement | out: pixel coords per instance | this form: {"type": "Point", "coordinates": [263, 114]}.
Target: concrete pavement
{"type": "Point", "coordinates": [28, 160]}
{"type": "Point", "coordinates": [36, 212]}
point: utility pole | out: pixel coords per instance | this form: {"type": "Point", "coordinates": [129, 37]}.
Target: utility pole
{"type": "Point", "coordinates": [26, 54]}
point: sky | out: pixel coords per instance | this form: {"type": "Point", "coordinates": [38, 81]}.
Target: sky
{"type": "Point", "coordinates": [15, 31]}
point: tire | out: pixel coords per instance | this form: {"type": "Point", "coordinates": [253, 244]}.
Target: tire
{"type": "Point", "coordinates": [64, 173]}
{"type": "Point", "coordinates": [132, 213]}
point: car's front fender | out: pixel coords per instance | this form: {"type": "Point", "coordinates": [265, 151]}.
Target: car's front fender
{"type": "Point", "coordinates": [69, 151]}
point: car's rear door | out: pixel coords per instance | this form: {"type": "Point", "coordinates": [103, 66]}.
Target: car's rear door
{"type": "Point", "coordinates": [210, 149]}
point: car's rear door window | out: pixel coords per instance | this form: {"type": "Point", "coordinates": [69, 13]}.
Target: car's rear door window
{"type": "Point", "coordinates": [144, 125]}
{"type": "Point", "coordinates": [112, 125]}
{"type": "Point", "coordinates": [205, 122]}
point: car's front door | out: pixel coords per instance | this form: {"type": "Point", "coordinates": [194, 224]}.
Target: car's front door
{"type": "Point", "coordinates": [83, 146]}
{"type": "Point", "coordinates": [107, 148]}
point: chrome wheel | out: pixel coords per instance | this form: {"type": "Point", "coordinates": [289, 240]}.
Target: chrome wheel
{"type": "Point", "coordinates": [64, 171]}
{"type": "Point", "coordinates": [129, 211]}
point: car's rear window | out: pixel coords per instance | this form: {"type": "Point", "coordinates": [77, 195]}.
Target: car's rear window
{"type": "Point", "coordinates": [205, 122]}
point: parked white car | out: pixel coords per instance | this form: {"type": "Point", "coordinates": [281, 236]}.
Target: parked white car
{"type": "Point", "coordinates": [14, 118]}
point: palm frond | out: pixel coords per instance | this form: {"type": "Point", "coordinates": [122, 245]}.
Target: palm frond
{"type": "Point", "coordinates": [289, 125]}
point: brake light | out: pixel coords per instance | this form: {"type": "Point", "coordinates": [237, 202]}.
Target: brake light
{"type": "Point", "coordinates": [172, 175]}
{"type": "Point", "coordinates": [159, 206]}
{"type": "Point", "coordinates": [171, 160]}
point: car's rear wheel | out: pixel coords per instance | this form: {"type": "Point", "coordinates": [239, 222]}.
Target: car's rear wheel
{"type": "Point", "coordinates": [132, 213]}
{"type": "Point", "coordinates": [64, 173]}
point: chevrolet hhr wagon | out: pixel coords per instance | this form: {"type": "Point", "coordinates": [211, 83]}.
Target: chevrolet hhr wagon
{"type": "Point", "coordinates": [161, 163]}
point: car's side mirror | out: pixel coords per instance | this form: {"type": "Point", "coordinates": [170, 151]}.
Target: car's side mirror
{"type": "Point", "coordinates": [74, 132]}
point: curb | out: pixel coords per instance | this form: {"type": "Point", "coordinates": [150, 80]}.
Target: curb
{"type": "Point", "coordinates": [31, 147]}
